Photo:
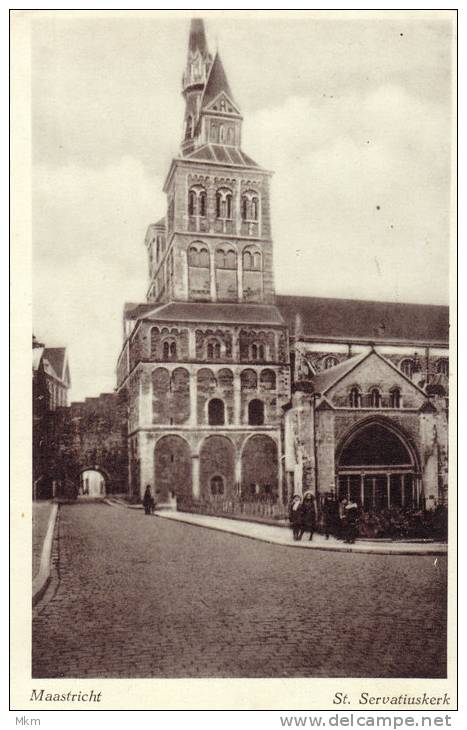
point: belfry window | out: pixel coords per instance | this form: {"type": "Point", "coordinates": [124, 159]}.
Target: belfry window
{"type": "Point", "coordinates": [197, 202]}
{"type": "Point", "coordinates": [251, 260]}
{"type": "Point", "coordinates": [169, 350]}
{"type": "Point", "coordinates": [213, 350]}
{"type": "Point", "coordinates": [250, 206]}
{"type": "Point", "coordinates": [224, 204]}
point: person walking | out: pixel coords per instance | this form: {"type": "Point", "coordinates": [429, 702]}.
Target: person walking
{"type": "Point", "coordinates": [351, 510]}
{"type": "Point", "coordinates": [148, 501]}
{"type": "Point", "coordinates": [295, 516]}
{"type": "Point", "coordinates": [308, 517]}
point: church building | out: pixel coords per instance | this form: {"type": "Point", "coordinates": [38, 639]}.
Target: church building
{"type": "Point", "coordinates": [236, 394]}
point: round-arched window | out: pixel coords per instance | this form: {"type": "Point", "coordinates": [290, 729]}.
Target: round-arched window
{"type": "Point", "coordinates": [216, 412]}
{"type": "Point", "coordinates": [256, 412]}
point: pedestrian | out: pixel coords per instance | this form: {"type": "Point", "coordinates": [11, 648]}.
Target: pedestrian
{"type": "Point", "coordinates": [330, 515]}
{"type": "Point", "coordinates": [295, 516]}
{"type": "Point", "coordinates": [351, 510]}
{"type": "Point", "coordinates": [342, 518]}
{"type": "Point", "coordinates": [308, 515]}
{"type": "Point", "coordinates": [148, 501]}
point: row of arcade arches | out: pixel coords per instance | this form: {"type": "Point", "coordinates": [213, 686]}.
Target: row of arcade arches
{"type": "Point", "coordinates": [224, 471]}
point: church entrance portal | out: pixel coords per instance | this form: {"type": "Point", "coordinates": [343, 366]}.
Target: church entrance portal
{"type": "Point", "coordinates": [377, 469]}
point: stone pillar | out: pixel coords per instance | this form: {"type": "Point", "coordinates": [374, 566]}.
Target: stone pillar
{"type": "Point", "coordinates": [146, 460]}
{"type": "Point", "coordinates": [193, 398]}
{"type": "Point", "coordinates": [237, 400]}
{"type": "Point", "coordinates": [213, 276]}
{"type": "Point", "coordinates": [238, 473]}
{"type": "Point", "coordinates": [240, 275]}
{"type": "Point", "coordinates": [191, 344]}
{"type": "Point", "coordinates": [195, 476]}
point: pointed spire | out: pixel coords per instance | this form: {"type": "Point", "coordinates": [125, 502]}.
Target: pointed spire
{"type": "Point", "coordinates": [197, 39]}
{"type": "Point", "coordinates": [217, 82]}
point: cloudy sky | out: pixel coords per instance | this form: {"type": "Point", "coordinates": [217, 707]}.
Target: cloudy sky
{"type": "Point", "coordinates": [352, 112]}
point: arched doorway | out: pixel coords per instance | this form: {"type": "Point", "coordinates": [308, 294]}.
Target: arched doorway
{"type": "Point", "coordinates": [172, 468]}
{"type": "Point", "coordinates": [377, 468]}
{"type": "Point", "coordinates": [217, 468]}
{"type": "Point", "coordinates": [260, 469]}
{"type": "Point", "coordinates": [91, 483]}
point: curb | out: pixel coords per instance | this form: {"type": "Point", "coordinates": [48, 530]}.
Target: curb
{"type": "Point", "coordinates": [42, 579]}
{"type": "Point", "coordinates": [305, 546]}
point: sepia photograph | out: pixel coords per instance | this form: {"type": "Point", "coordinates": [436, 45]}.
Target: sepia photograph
{"type": "Point", "coordinates": [242, 242]}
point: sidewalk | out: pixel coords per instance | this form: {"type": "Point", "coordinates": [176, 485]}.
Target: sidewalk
{"type": "Point", "coordinates": [280, 536]}
{"type": "Point", "coordinates": [44, 515]}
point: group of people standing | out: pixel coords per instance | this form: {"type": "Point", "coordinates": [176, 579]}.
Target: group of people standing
{"type": "Point", "coordinates": [338, 518]}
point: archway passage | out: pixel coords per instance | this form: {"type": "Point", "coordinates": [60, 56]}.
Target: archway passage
{"type": "Point", "coordinates": [260, 469]}
{"type": "Point", "coordinates": [172, 468]}
{"type": "Point", "coordinates": [377, 469]}
{"type": "Point", "coordinates": [217, 468]}
{"type": "Point", "coordinates": [91, 483]}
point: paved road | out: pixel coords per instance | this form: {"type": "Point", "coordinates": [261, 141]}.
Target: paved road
{"type": "Point", "coordinates": [139, 596]}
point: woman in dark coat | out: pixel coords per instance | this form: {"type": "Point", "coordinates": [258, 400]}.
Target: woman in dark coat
{"type": "Point", "coordinates": [308, 521]}
{"type": "Point", "coordinates": [295, 517]}
{"type": "Point", "coordinates": [148, 501]}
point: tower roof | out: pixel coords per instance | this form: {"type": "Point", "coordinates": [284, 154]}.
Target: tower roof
{"type": "Point", "coordinates": [197, 40]}
{"type": "Point", "coordinates": [217, 82]}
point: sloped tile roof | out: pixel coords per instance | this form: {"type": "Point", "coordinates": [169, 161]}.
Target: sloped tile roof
{"type": "Point", "coordinates": [362, 319]}
{"type": "Point", "coordinates": [222, 154]}
{"type": "Point", "coordinates": [217, 82]}
{"type": "Point", "coordinates": [261, 314]}
{"type": "Point", "coordinates": [56, 357]}
{"type": "Point", "coordinates": [322, 381]}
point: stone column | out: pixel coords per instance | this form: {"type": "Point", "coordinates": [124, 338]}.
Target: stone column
{"type": "Point", "coordinates": [195, 476]}
{"type": "Point", "coordinates": [240, 275]}
{"type": "Point", "coordinates": [237, 400]}
{"type": "Point", "coordinates": [193, 398]}
{"type": "Point", "coordinates": [213, 276]}
{"type": "Point", "coordinates": [191, 344]}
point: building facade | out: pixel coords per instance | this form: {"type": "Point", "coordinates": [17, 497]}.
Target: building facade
{"type": "Point", "coordinates": [236, 394]}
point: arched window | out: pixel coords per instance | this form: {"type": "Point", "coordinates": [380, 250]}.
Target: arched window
{"type": "Point", "coordinates": [202, 203]}
{"type": "Point", "coordinates": [254, 351]}
{"type": "Point", "coordinates": [247, 261]}
{"type": "Point", "coordinates": [193, 256]}
{"type": "Point", "coordinates": [395, 398]}
{"type": "Point", "coordinates": [169, 350]}
{"type": "Point", "coordinates": [250, 206]}
{"type": "Point", "coordinates": [230, 135]}
{"type": "Point", "coordinates": [217, 486]}
{"type": "Point", "coordinates": [221, 133]}
{"type": "Point", "coordinates": [268, 379]}
{"type": "Point", "coordinates": [216, 412]}
{"type": "Point", "coordinates": [230, 260]}
{"type": "Point", "coordinates": [257, 261]}
{"type": "Point", "coordinates": [355, 398]}
{"type": "Point", "coordinates": [244, 208]}
{"type": "Point", "coordinates": [197, 201]}
{"type": "Point", "coordinates": [222, 105]}
{"type": "Point", "coordinates": [214, 133]}
{"type": "Point", "coordinates": [251, 260]}
{"type": "Point", "coordinates": [224, 203]}
{"type": "Point", "coordinates": [375, 398]}
{"type": "Point", "coordinates": [204, 258]}
{"type": "Point", "coordinates": [407, 367]}
{"type": "Point", "coordinates": [191, 202]}
{"type": "Point", "coordinates": [330, 362]}
{"type": "Point", "coordinates": [213, 350]}
{"type": "Point", "coordinates": [256, 412]}
{"type": "Point", "coordinates": [254, 209]}
{"type": "Point", "coordinates": [442, 366]}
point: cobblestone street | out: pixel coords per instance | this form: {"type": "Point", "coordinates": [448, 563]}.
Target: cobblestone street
{"type": "Point", "coordinates": [138, 596]}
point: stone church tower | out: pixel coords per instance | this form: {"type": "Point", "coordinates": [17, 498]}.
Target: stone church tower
{"type": "Point", "coordinates": [205, 361]}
